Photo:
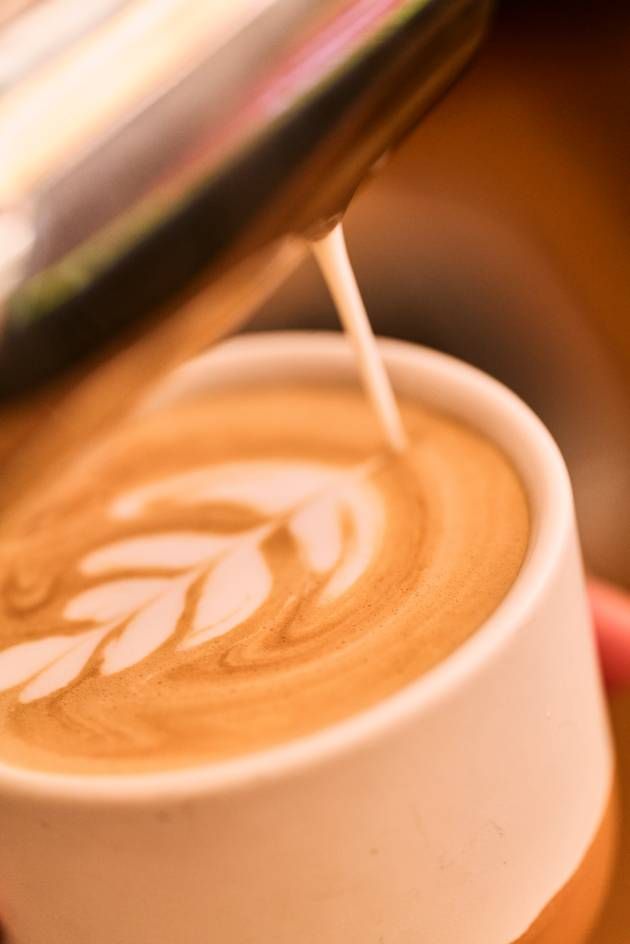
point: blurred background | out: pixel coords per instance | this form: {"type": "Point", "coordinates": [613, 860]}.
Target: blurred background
{"type": "Point", "coordinates": [500, 232]}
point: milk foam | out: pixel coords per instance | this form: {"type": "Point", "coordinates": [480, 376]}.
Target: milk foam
{"type": "Point", "coordinates": [136, 615]}
{"type": "Point", "coordinates": [239, 571]}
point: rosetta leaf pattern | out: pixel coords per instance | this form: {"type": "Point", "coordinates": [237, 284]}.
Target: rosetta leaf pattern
{"type": "Point", "coordinates": [128, 618]}
{"type": "Point", "coordinates": [233, 591]}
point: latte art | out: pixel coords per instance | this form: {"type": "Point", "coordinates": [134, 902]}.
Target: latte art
{"type": "Point", "coordinates": [334, 517]}
{"type": "Point", "coordinates": [243, 571]}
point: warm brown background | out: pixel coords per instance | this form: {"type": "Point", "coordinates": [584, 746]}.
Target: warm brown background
{"type": "Point", "coordinates": [500, 232]}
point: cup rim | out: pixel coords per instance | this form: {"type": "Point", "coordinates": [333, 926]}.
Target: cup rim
{"type": "Point", "coordinates": [550, 524]}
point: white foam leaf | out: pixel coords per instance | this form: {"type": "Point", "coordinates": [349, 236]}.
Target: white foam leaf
{"type": "Point", "coordinates": [268, 486]}
{"type": "Point", "coordinates": [233, 591]}
{"type": "Point", "coordinates": [145, 612]}
{"type": "Point", "coordinates": [148, 629]}
{"type": "Point", "coordinates": [366, 514]}
{"type": "Point", "coordinates": [317, 529]}
{"type": "Point", "coordinates": [21, 662]}
{"type": "Point", "coordinates": [174, 550]}
{"type": "Point", "coordinates": [65, 669]}
{"type": "Point", "coordinates": [114, 599]}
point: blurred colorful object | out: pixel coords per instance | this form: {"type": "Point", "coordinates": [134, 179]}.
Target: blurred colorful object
{"type": "Point", "coordinates": [611, 612]}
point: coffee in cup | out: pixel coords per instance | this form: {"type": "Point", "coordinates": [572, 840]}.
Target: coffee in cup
{"type": "Point", "coordinates": [239, 571]}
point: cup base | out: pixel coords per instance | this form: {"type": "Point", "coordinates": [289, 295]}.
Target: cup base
{"type": "Point", "coordinates": [571, 914]}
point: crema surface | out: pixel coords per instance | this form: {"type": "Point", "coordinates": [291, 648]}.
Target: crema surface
{"type": "Point", "coordinates": [234, 573]}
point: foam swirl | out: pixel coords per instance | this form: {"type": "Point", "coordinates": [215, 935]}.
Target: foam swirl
{"type": "Point", "coordinates": [236, 573]}
{"type": "Point", "coordinates": [136, 615]}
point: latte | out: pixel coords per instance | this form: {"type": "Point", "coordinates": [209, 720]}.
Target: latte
{"type": "Point", "coordinates": [234, 573]}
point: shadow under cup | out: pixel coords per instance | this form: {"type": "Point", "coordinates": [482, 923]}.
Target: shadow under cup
{"type": "Point", "coordinates": [472, 807]}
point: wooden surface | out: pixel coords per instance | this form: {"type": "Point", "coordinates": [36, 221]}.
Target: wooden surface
{"type": "Point", "coordinates": [614, 926]}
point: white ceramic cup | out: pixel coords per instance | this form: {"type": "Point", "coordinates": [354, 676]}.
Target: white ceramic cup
{"type": "Point", "coordinates": [450, 813]}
